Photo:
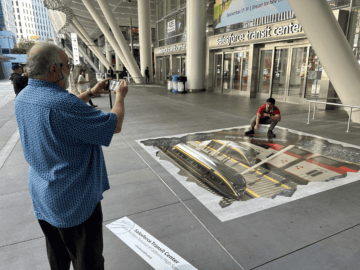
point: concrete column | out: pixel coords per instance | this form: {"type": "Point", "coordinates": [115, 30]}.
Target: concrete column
{"type": "Point", "coordinates": [332, 48]}
{"type": "Point", "coordinates": [195, 44]}
{"type": "Point", "coordinates": [121, 42]}
{"type": "Point", "coordinates": [145, 37]}
{"type": "Point", "coordinates": [102, 67]}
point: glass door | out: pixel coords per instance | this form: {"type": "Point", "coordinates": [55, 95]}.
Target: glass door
{"type": "Point", "coordinates": [265, 71]}
{"type": "Point", "coordinates": [240, 71]}
{"type": "Point", "coordinates": [161, 69]}
{"type": "Point", "coordinates": [183, 62]}
{"type": "Point", "coordinates": [237, 70]}
{"type": "Point", "coordinates": [226, 74]}
{"type": "Point", "coordinates": [218, 71]}
{"type": "Point", "coordinates": [279, 84]}
{"type": "Point", "coordinates": [314, 72]}
{"type": "Point", "coordinates": [176, 65]}
{"type": "Point", "coordinates": [297, 74]}
{"type": "Point", "coordinates": [244, 71]}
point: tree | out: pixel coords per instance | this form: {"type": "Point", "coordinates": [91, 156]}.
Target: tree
{"type": "Point", "coordinates": [18, 51]}
{"type": "Point", "coordinates": [26, 44]}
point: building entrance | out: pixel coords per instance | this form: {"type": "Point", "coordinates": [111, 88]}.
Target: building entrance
{"type": "Point", "coordinates": [288, 73]}
{"type": "Point", "coordinates": [179, 65]}
{"type": "Point", "coordinates": [231, 72]}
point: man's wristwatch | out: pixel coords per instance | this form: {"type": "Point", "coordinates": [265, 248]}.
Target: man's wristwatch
{"type": "Point", "coordinates": [89, 93]}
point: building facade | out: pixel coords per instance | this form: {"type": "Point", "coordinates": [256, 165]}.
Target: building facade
{"type": "Point", "coordinates": [31, 20]}
{"type": "Point", "coordinates": [265, 57]}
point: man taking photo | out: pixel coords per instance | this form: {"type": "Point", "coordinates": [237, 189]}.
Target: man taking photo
{"type": "Point", "coordinates": [61, 138]}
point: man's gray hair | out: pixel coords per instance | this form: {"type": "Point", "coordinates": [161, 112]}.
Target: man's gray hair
{"type": "Point", "coordinates": [40, 58]}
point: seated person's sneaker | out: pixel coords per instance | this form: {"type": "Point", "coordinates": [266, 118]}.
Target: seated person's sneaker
{"type": "Point", "coordinates": [270, 133]}
{"type": "Point", "coordinates": [250, 132]}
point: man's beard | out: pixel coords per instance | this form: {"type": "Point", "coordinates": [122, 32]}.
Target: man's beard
{"type": "Point", "coordinates": [65, 80]}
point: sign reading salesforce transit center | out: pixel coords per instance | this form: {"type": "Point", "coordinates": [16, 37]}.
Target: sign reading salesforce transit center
{"type": "Point", "coordinates": [268, 31]}
{"type": "Point", "coordinates": [171, 49]}
{"type": "Point", "coordinates": [228, 12]}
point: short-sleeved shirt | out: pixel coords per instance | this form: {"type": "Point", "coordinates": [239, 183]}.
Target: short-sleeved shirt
{"type": "Point", "coordinates": [262, 109]}
{"type": "Point", "coordinates": [82, 87]}
{"type": "Point", "coordinates": [61, 138]}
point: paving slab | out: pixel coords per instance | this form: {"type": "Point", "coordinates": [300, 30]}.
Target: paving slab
{"type": "Point", "coordinates": [134, 192]}
{"type": "Point", "coordinates": [17, 220]}
{"type": "Point", "coordinates": [264, 236]}
{"type": "Point", "coordinates": [26, 255]}
{"type": "Point", "coordinates": [175, 227]}
{"type": "Point", "coordinates": [340, 251]}
{"type": "Point", "coordinates": [121, 161]}
{"type": "Point", "coordinates": [14, 178]}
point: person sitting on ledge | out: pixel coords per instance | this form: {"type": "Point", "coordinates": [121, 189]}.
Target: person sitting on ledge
{"type": "Point", "coordinates": [267, 114]}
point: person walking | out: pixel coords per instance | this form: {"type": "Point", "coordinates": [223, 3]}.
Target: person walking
{"type": "Point", "coordinates": [83, 86]}
{"type": "Point", "coordinates": [147, 74]}
{"type": "Point", "coordinates": [62, 141]}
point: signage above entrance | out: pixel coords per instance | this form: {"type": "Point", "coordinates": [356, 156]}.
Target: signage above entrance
{"type": "Point", "coordinates": [175, 48]}
{"type": "Point", "coordinates": [266, 32]}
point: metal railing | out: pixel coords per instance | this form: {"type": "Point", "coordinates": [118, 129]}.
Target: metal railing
{"type": "Point", "coordinates": [329, 103]}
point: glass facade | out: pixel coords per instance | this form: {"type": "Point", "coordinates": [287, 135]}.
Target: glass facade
{"type": "Point", "coordinates": [7, 24]}
{"type": "Point", "coordinates": [171, 21]}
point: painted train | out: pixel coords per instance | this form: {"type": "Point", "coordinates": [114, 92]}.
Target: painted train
{"type": "Point", "coordinates": [209, 170]}
{"type": "Point", "coordinates": [297, 164]}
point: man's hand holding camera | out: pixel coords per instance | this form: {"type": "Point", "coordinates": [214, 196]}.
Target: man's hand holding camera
{"type": "Point", "coordinates": [99, 88]}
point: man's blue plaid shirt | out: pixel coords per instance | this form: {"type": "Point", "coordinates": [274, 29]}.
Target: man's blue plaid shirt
{"type": "Point", "coordinates": [62, 137]}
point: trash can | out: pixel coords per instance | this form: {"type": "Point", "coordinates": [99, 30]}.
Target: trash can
{"type": "Point", "coordinates": [169, 83]}
{"type": "Point", "coordinates": [181, 84]}
{"type": "Point", "coordinates": [175, 83]}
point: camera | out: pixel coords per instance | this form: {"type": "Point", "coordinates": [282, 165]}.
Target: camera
{"type": "Point", "coordinates": [112, 85]}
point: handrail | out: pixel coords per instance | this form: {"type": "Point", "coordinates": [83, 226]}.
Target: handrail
{"type": "Point", "coordinates": [329, 103]}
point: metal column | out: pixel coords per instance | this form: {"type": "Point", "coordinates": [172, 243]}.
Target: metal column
{"type": "Point", "coordinates": [123, 52]}
{"type": "Point", "coordinates": [120, 40]}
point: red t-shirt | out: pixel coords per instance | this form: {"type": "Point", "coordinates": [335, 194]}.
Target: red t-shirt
{"type": "Point", "coordinates": [262, 109]}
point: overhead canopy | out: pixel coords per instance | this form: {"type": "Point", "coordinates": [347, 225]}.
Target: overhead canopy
{"type": "Point", "coordinates": [122, 9]}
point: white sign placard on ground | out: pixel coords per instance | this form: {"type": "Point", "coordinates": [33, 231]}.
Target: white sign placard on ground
{"type": "Point", "coordinates": [75, 48]}
{"type": "Point", "coordinates": [148, 247]}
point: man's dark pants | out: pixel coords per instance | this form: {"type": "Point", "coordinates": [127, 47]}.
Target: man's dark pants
{"type": "Point", "coordinates": [82, 245]}
{"type": "Point", "coordinates": [263, 121]}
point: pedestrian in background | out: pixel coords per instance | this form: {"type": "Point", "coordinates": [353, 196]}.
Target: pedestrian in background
{"type": "Point", "coordinates": [19, 82]}
{"type": "Point", "coordinates": [83, 86]}
{"type": "Point", "coordinates": [147, 74]}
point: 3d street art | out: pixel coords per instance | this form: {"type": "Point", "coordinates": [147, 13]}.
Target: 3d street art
{"type": "Point", "coordinates": [235, 175]}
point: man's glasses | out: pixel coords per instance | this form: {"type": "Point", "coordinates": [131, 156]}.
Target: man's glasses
{"type": "Point", "coordinates": [68, 64]}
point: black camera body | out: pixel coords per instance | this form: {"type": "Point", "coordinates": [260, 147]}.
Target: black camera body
{"type": "Point", "coordinates": [112, 85]}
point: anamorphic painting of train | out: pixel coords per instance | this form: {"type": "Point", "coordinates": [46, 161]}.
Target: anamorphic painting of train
{"type": "Point", "coordinates": [237, 168]}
